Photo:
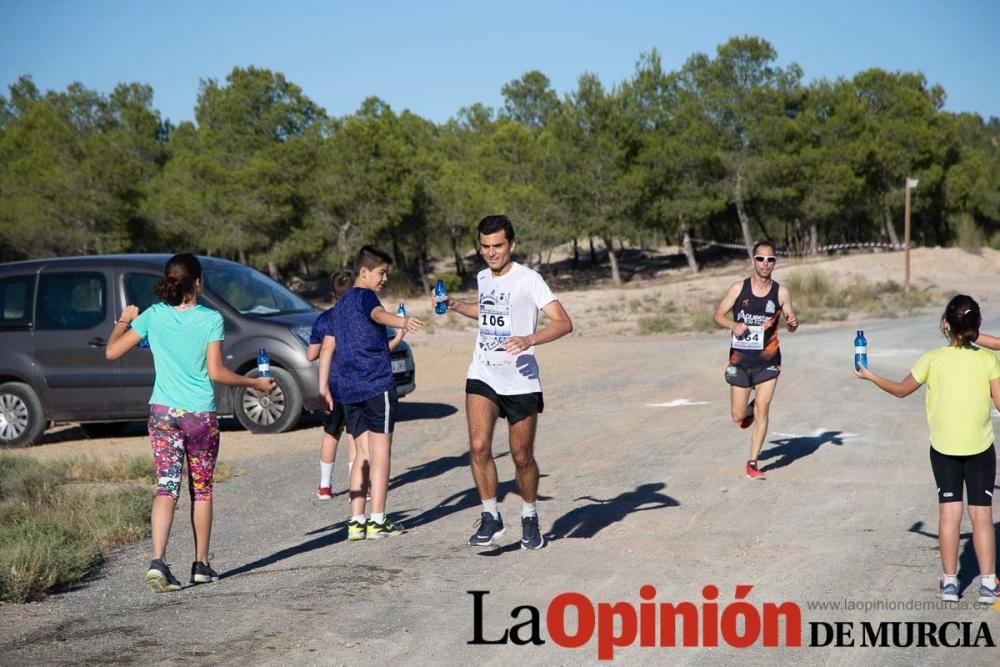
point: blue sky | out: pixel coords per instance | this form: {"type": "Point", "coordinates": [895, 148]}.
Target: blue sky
{"type": "Point", "coordinates": [436, 57]}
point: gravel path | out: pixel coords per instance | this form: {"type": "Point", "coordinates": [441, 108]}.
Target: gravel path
{"type": "Point", "coordinates": [632, 495]}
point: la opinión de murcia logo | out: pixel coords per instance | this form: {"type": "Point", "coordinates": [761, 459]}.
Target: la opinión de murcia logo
{"type": "Point", "coordinates": [572, 620]}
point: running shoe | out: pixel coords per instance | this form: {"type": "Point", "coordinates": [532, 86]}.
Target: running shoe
{"type": "Point", "coordinates": [747, 421]}
{"type": "Point", "coordinates": [531, 535]}
{"type": "Point", "coordinates": [488, 530]}
{"type": "Point", "coordinates": [202, 573]}
{"type": "Point", "coordinates": [753, 472]}
{"type": "Point", "coordinates": [160, 579]}
{"type": "Point", "coordinates": [385, 529]}
{"type": "Point", "coordinates": [355, 531]}
{"type": "Point", "coordinates": [324, 493]}
{"type": "Point", "coordinates": [949, 592]}
{"type": "Point", "coordinates": [989, 595]}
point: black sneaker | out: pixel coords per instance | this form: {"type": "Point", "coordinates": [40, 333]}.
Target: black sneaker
{"type": "Point", "coordinates": [531, 536]}
{"type": "Point", "coordinates": [488, 530]}
{"type": "Point", "coordinates": [159, 578]}
{"type": "Point", "coordinates": [202, 573]}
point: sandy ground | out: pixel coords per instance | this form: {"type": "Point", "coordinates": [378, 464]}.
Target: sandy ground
{"type": "Point", "coordinates": [642, 485]}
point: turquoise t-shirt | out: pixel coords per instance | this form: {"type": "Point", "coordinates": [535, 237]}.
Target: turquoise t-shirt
{"type": "Point", "coordinates": [179, 342]}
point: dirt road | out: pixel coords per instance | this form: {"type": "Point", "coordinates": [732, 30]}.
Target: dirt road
{"type": "Point", "coordinates": [643, 485]}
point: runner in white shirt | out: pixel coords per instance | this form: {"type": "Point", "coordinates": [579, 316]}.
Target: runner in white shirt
{"type": "Point", "coordinates": [503, 378]}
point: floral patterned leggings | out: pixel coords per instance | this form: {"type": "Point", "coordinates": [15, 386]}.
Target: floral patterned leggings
{"type": "Point", "coordinates": [175, 434]}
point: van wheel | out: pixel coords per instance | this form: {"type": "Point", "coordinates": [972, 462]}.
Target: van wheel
{"type": "Point", "coordinates": [22, 421]}
{"type": "Point", "coordinates": [275, 411]}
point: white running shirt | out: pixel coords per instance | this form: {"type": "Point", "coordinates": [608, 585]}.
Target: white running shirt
{"type": "Point", "coordinates": [508, 306]}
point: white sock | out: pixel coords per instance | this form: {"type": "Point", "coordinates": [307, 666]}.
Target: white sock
{"type": "Point", "coordinates": [949, 578]}
{"type": "Point", "coordinates": [988, 580]}
{"type": "Point", "coordinates": [358, 518]}
{"type": "Point", "coordinates": [490, 505]}
{"type": "Point", "coordinates": [528, 509]}
{"type": "Point", "coordinates": [325, 472]}
{"type": "Point", "coordinates": [378, 517]}
{"type": "Point", "coordinates": [350, 464]}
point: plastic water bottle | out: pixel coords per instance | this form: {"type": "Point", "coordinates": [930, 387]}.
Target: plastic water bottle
{"type": "Point", "coordinates": [401, 311]}
{"type": "Point", "coordinates": [263, 364]}
{"type": "Point", "coordinates": [441, 307]}
{"type": "Point", "coordinates": [860, 350]}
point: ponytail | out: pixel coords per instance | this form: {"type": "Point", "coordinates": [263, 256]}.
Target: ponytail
{"type": "Point", "coordinates": [179, 277]}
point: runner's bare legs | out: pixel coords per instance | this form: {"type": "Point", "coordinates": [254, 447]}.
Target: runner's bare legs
{"type": "Point", "coordinates": [482, 414]}
{"type": "Point", "coordinates": [764, 392]}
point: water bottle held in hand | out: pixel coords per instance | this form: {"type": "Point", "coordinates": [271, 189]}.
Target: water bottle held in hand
{"type": "Point", "coordinates": [401, 311]}
{"type": "Point", "coordinates": [441, 307]}
{"type": "Point", "coordinates": [860, 350]}
{"type": "Point", "coordinates": [263, 364]}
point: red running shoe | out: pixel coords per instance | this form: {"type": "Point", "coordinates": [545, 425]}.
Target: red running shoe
{"type": "Point", "coordinates": [753, 472]}
{"type": "Point", "coordinates": [323, 493]}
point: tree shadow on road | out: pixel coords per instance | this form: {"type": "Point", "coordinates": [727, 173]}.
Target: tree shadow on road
{"type": "Point", "coordinates": [968, 566]}
{"type": "Point", "coordinates": [430, 469]}
{"type": "Point", "coordinates": [457, 502]}
{"type": "Point", "coordinates": [409, 411]}
{"type": "Point", "coordinates": [334, 534]}
{"type": "Point", "coordinates": [586, 521]}
{"type": "Point", "coordinates": [790, 450]}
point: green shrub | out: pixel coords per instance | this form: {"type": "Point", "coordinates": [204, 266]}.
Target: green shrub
{"type": "Point", "coordinates": [59, 519]}
{"type": "Point", "coordinates": [968, 236]}
{"type": "Point", "coordinates": [655, 324]}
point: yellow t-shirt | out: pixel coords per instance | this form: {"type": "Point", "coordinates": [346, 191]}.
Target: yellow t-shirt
{"type": "Point", "coordinates": [958, 397]}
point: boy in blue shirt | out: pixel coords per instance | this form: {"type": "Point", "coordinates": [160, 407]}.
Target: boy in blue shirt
{"type": "Point", "coordinates": [362, 380]}
{"type": "Point", "coordinates": [333, 423]}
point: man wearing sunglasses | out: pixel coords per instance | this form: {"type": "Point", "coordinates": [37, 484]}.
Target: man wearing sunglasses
{"type": "Point", "coordinates": [755, 305]}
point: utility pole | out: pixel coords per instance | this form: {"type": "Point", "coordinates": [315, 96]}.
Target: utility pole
{"type": "Point", "coordinates": [910, 183]}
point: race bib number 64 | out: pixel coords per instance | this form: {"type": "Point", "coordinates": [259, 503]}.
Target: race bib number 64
{"type": "Point", "coordinates": [752, 339]}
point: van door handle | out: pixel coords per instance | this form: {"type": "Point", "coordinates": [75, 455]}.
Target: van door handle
{"type": "Point", "coordinates": [97, 342]}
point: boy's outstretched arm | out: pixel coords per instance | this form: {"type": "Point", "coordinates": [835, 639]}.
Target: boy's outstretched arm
{"type": "Point", "coordinates": [380, 315]}
{"type": "Point", "coordinates": [897, 389]}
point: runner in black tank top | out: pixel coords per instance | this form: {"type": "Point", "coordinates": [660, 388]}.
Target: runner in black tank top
{"type": "Point", "coordinates": [759, 345]}
{"type": "Point", "coordinates": [755, 306]}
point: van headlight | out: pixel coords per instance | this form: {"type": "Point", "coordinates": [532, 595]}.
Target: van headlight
{"type": "Point", "coordinates": [302, 333]}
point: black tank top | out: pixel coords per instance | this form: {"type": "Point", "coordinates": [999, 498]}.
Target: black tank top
{"type": "Point", "coordinates": [759, 345]}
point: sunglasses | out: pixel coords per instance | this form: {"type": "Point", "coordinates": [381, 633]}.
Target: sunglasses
{"type": "Point", "coordinates": [770, 259]}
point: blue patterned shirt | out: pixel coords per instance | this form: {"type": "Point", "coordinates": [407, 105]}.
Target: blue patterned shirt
{"type": "Point", "coordinates": [361, 365]}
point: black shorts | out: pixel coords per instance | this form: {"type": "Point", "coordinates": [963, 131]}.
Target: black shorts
{"type": "Point", "coordinates": [333, 421]}
{"type": "Point", "coordinates": [513, 407]}
{"type": "Point", "coordinates": [978, 471]}
{"type": "Point", "coordinates": [377, 414]}
{"type": "Point", "coordinates": [750, 376]}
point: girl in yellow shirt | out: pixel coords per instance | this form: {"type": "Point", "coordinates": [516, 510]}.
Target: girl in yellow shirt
{"type": "Point", "coordinates": [963, 384]}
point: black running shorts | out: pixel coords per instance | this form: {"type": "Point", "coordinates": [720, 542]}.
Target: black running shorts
{"type": "Point", "coordinates": [377, 414]}
{"type": "Point", "coordinates": [514, 407]}
{"type": "Point", "coordinates": [977, 471]}
{"type": "Point", "coordinates": [333, 421]}
{"type": "Point", "coordinates": [750, 376]}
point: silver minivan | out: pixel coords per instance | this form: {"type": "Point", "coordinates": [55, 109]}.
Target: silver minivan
{"type": "Point", "coordinates": [56, 316]}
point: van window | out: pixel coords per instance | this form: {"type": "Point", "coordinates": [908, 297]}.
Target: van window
{"type": "Point", "coordinates": [251, 292]}
{"type": "Point", "coordinates": [139, 289]}
{"type": "Point", "coordinates": [71, 301]}
{"type": "Point", "coordinates": [15, 301]}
